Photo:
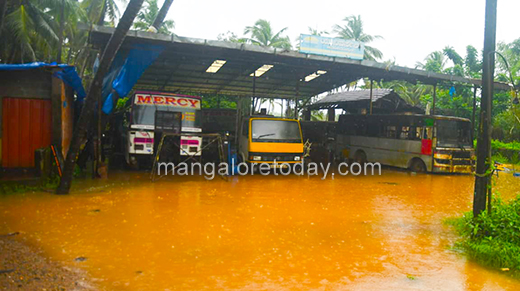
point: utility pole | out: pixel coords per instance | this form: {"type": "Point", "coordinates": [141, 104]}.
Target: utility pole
{"type": "Point", "coordinates": [483, 173]}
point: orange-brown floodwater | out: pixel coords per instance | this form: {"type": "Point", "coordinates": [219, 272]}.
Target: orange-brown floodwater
{"type": "Point", "coordinates": [260, 232]}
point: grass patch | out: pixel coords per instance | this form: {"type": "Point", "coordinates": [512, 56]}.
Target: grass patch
{"type": "Point", "coordinates": [493, 239]}
{"type": "Point", "coordinates": [15, 187]}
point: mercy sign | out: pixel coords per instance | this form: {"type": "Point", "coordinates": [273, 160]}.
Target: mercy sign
{"type": "Point", "coordinates": [183, 101]}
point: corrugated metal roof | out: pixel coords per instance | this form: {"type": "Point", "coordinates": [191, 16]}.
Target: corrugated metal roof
{"type": "Point", "coordinates": [383, 100]}
{"type": "Point", "coordinates": [182, 68]}
{"type": "Point", "coordinates": [354, 95]}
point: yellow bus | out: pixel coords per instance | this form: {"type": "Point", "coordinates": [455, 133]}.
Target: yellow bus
{"type": "Point", "coordinates": [266, 139]}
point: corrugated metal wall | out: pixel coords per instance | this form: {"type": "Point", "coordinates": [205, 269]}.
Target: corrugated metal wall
{"type": "Point", "coordinates": [26, 126]}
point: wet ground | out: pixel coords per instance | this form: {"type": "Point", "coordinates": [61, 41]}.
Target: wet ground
{"type": "Point", "coordinates": [353, 233]}
{"type": "Point", "coordinates": [24, 267]}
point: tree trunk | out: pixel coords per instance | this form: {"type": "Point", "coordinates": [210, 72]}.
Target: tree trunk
{"type": "Point", "coordinates": [101, 20]}
{"type": "Point", "coordinates": [60, 36]}
{"type": "Point", "coordinates": [162, 14]}
{"type": "Point", "coordinates": [80, 132]}
{"type": "Point", "coordinates": [3, 9]}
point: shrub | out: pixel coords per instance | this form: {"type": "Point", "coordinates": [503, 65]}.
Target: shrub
{"type": "Point", "coordinates": [493, 239]}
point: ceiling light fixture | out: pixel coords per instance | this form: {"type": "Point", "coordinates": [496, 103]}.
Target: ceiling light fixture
{"type": "Point", "coordinates": [314, 75]}
{"type": "Point", "coordinates": [260, 71]}
{"type": "Point", "coordinates": [217, 64]}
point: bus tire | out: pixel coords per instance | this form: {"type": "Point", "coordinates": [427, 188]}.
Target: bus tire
{"type": "Point", "coordinates": [417, 165]}
{"type": "Point", "coordinates": [360, 157]}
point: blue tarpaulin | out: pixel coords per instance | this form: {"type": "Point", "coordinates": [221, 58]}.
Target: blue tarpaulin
{"type": "Point", "coordinates": [67, 73]}
{"type": "Point", "coordinates": [127, 74]}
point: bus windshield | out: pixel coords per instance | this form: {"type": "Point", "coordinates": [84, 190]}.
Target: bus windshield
{"type": "Point", "coordinates": [453, 133]}
{"type": "Point", "coordinates": [265, 130]}
{"type": "Point", "coordinates": [143, 114]}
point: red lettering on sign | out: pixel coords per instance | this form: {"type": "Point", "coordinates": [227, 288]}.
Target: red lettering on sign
{"type": "Point", "coordinates": [193, 102]}
{"type": "Point", "coordinates": [184, 102]}
{"type": "Point", "coordinates": [169, 100]}
{"type": "Point", "coordinates": [158, 100]}
{"type": "Point", "coordinates": [144, 99]}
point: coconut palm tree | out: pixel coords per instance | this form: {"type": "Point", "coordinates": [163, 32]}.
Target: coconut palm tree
{"type": "Point", "coordinates": [94, 91]}
{"type": "Point", "coordinates": [315, 31]}
{"type": "Point", "coordinates": [472, 62]}
{"type": "Point", "coordinates": [98, 10]}
{"type": "Point", "coordinates": [354, 30]}
{"type": "Point", "coordinates": [412, 94]}
{"type": "Point", "coordinates": [434, 62]}
{"type": "Point", "coordinates": [159, 20]}
{"type": "Point", "coordinates": [147, 15]}
{"type": "Point", "coordinates": [31, 29]}
{"type": "Point", "coordinates": [262, 34]}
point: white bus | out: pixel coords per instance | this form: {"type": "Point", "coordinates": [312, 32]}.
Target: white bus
{"type": "Point", "coordinates": [417, 142]}
{"type": "Point", "coordinates": [140, 135]}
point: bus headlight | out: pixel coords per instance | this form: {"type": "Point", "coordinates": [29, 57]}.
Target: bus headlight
{"type": "Point", "coordinates": [257, 158]}
{"type": "Point", "coordinates": [297, 158]}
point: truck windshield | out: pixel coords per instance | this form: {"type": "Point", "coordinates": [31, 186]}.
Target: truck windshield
{"type": "Point", "coordinates": [265, 130]}
{"type": "Point", "coordinates": [453, 133]}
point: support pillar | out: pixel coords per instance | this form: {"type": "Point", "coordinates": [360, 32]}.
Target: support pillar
{"type": "Point", "coordinates": [474, 111]}
{"type": "Point", "coordinates": [296, 99]}
{"type": "Point", "coordinates": [371, 96]}
{"type": "Point", "coordinates": [307, 114]}
{"type": "Point", "coordinates": [434, 98]}
{"type": "Point", "coordinates": [331, 114]}
{"type": "Point", "coordinates": [253, 99]}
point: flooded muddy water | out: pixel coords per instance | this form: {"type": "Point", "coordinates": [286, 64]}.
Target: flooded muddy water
{"type": "Point", "coordinates": [260, 232]}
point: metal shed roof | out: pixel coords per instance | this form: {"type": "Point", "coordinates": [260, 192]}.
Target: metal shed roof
{"type": "Point", "coordinates": [384, 100]}
{"type": "Point", "coordinates": [350, 96]}
{"type": "Point", "coordinates": [182, 68]}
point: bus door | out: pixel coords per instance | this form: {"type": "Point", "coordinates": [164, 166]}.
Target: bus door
{"type": "Point", "coordinates": [427, 139]}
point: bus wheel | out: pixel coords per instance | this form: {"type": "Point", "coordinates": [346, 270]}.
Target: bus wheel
{"type": "Point", "coordinates": [360, 157]}
{"type": "Point", "coordinates": [133, 163]}
{"type": "Point", "coordinates": [418, 166]}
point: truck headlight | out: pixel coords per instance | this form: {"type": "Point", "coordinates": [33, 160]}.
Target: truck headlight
{"type": "Point", "coordinates": [257, 158]}
{"type": "Point", "coordinates": [297, 158]}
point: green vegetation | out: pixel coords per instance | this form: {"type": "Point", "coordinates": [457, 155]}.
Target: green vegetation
{"type": "Point", "coordinates": [514, 145]}
{"type": "Point", "coordinates": [493, 239]}
{"type": "Point", "coordinates": [262, 34]}
{"type": "Point", "coordinates": [17, 187]}
{"type": "Point", "coordinates": [354, 30]}
{"type": "Point", "coordinates": [507, 153]}
{"type": "Point", "coordinates": [147, 16]}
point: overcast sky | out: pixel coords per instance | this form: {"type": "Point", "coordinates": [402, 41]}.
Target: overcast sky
{"type": "Point", "coordinates": [411, 28]}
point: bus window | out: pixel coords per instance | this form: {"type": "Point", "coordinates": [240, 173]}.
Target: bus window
{"type": "Point", "coordinates": [415, 133]}
{"type": "Point", "coordinates": [360, 128]}
{"type": "Point", "coordinates": [405, 132]}
{"type": "Point", "coordinates": [390, 131]}
{"type": "Point", "coordinates": [427, 132]}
